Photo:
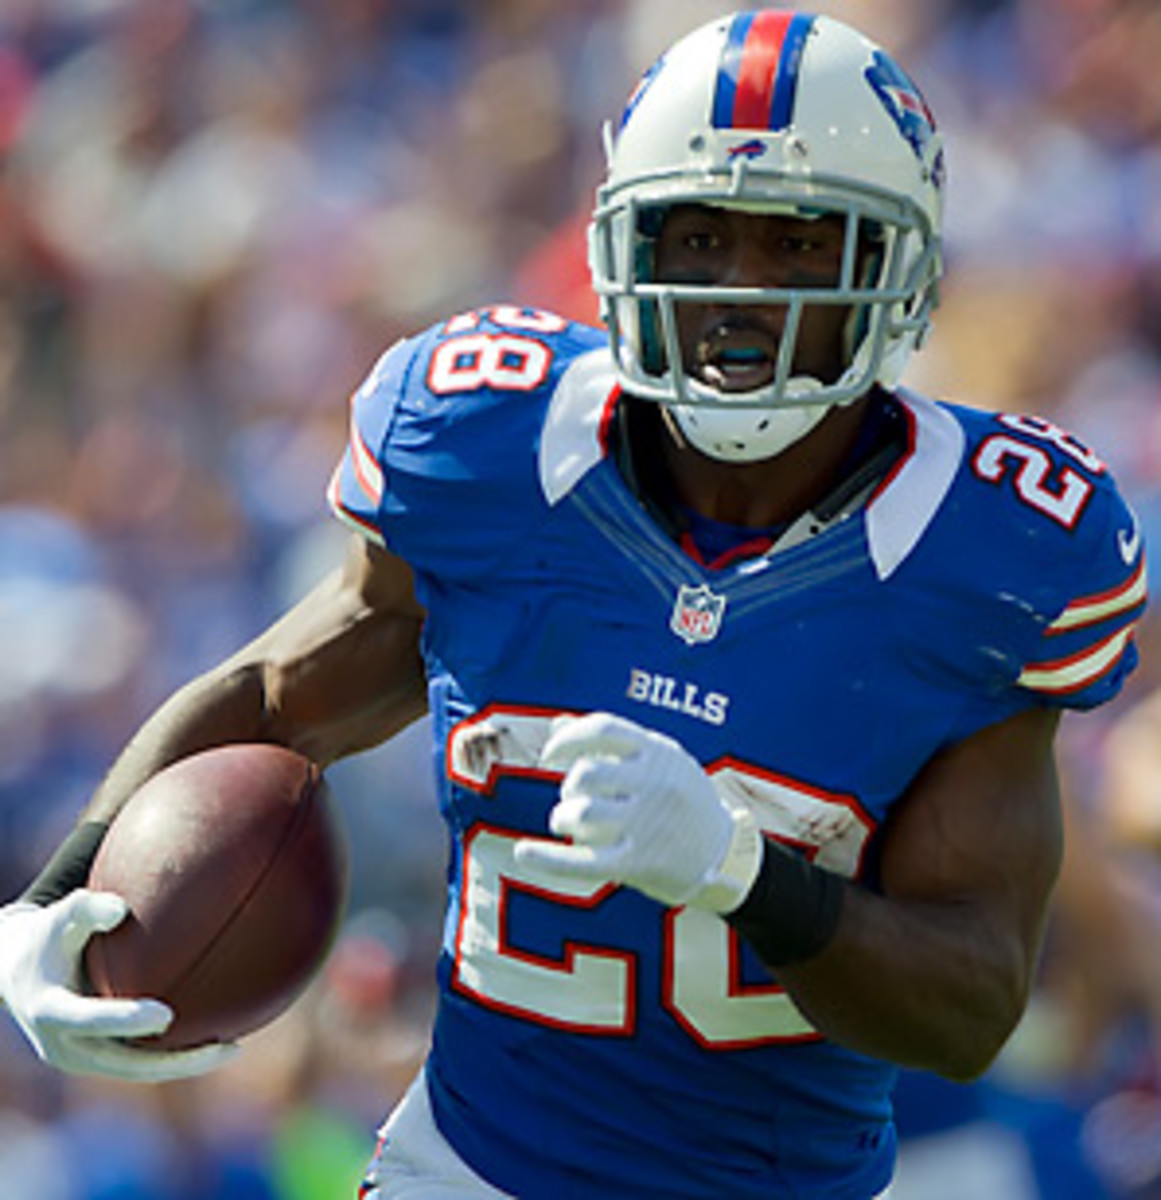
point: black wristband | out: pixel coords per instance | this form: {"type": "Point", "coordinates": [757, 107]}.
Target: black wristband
{"type": "Point", "coordinates": [68, 869]}
{"type": "Point", "coordinates": [792, 910]}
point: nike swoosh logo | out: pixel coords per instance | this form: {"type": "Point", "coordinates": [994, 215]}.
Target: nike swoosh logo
{"type": "Point", "coordinates": [1129, 543]}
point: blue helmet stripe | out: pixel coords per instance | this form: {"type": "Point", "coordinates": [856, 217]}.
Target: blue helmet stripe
{"type": "Point", "coordinates": [789, 71]}
{"type": "Point", "coordinates": [728, 71]}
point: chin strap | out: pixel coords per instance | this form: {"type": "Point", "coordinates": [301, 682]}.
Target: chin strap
{"type": "Point", "coordinates": [746, 435]}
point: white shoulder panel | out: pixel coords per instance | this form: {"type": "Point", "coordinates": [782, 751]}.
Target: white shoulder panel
{"type": "Point", "coordinates": [571, 441]}
{"type": "Point", "coordinates": [898, 515]}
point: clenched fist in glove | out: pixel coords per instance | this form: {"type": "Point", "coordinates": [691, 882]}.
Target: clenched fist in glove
{"type": "Point", "coordinates": [639, 810]}
{"type": "Point", "coordinates": [40, 953]}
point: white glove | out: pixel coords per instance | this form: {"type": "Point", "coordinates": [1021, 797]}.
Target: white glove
{"type": "Point", "coordinates": [639, 810]}
{"type": "Point", "coordinates": [40, 953]}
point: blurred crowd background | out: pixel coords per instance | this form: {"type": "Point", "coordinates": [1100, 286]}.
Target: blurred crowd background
{"type": "Point", "coordinates": [214, 214]}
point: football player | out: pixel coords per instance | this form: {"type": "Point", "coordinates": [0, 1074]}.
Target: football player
{"type": "Point", "coordinates": [745, 665]}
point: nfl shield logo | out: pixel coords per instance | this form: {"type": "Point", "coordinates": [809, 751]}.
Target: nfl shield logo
{"type": "Point", "coordinates": [697, 614]}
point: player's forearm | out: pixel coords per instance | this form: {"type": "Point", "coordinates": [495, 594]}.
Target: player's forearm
{"type": "Point", "coordinates": [935, 971]}
{"type": "Point", "coordinates": [215, 709]}
{"type": "Point", "coordinates": [208, 712]}
{"type": "Point", "coordinates": [937, 987]}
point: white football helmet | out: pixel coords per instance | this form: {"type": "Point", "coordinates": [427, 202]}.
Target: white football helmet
{"type": "Point", "coordinates": [790, 114]}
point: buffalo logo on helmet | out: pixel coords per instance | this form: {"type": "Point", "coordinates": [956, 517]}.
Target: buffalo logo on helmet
{"type": "Point", "coordinates": [638, 93]}
{"type": "Point", "coordinates": [903, 101]}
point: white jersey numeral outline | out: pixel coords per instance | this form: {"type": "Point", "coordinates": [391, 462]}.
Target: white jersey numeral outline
{"type": "Point", "coordinates": [508, 362]}
{"type": "Point", "coordinates": [593, 989]}
{"type": "Point", "coordinates": [1061, 496]}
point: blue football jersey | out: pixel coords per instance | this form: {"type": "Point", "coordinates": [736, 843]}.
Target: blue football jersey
{"type": "Point", "coordinates": [590, 1042]}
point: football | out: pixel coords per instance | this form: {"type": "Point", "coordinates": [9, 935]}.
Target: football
{"type": "Point", "coordinates": [234, 866]}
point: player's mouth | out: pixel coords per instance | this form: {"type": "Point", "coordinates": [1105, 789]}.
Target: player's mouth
{"type": "Point", "coordinates": [736, 358]}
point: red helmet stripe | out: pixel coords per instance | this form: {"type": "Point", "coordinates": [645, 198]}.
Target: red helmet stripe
{"type": "Point", "coordinates": [758, 69]}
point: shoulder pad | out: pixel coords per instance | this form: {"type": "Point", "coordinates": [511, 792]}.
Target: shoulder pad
{"type": "Point", "coordinates": [441, 460]}
{"type": "Point", "coordinates": [1065, 544]}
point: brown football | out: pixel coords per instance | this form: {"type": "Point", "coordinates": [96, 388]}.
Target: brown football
{"type": "Point", "coordinates": [234, 866]}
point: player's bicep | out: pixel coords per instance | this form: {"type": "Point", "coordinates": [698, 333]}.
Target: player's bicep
{"type": "Point", "coordinates": [981, 826]}
{"type": "Point", "coordinates": [342, 670]}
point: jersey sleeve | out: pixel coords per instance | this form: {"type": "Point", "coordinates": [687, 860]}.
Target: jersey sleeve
{"type": "Point", "coordinates": [441, 461]}
{"type": "Point", "coordinates": [1031, 578]}
{"type": "Point", "coordinates": [356, 489]}
{"type": "Point", "coordinates": [1084, 654]}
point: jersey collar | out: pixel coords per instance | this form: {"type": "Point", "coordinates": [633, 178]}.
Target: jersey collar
{"type": "Point", "coordinates": [575, 438]}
